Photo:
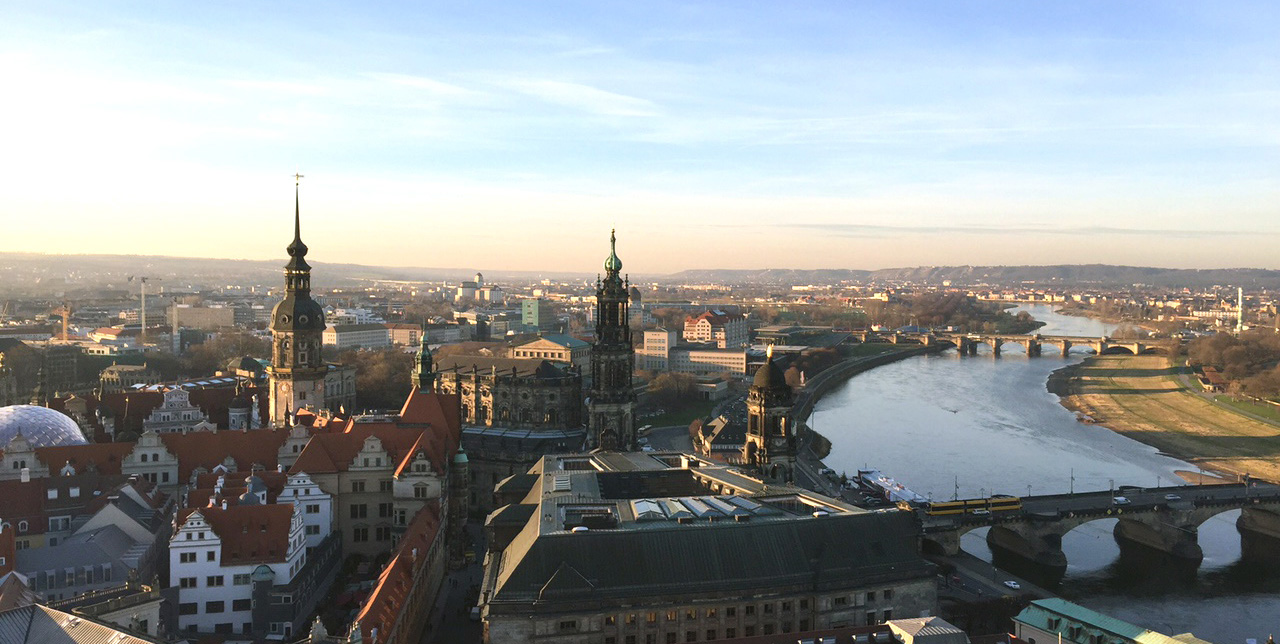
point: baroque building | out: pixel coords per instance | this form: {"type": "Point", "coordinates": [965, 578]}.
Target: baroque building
{"type": "Point", "coordinates": [611, 412]}
{"type": "Point", "coordinates": [770, 447]}
{"type": "Point", "coordinates": [297, 325]}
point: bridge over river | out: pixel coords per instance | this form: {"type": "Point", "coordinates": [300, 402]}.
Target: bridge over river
{"type": "Point", "coordinates": [1166, 519]}
{"type": "Point", "coordinates": [967, 343]}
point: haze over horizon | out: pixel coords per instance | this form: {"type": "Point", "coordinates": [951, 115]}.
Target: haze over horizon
{"type": "Point", "coordinates": [712, 135]}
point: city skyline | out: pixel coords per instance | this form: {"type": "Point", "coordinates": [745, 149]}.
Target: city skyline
{"type": "Point", "coordinates": [866, 136]}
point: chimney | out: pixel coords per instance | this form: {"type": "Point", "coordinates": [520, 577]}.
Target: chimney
{"type": "Point", "coordinates": [26, 475]}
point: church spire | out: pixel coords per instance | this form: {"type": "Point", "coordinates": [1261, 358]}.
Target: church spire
{"type": "Point", "coordinates": [425, 376]}
{"type": "Point", "coordinates": [297, 250]}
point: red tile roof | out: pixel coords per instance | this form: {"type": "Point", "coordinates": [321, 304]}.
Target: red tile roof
{"type": "Point", "coordinates": [209, 449]}
{"type": "Point", "coordinates": [249, 533]}
{"type": "Point", "coordinates": [390, 596]}
{"type": "Point", "coordinates": [105, 457]}
{"type": "Point", "coordinates": [21, 501]}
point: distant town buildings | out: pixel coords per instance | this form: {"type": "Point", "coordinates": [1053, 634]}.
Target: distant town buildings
{"type": "Point", "coordinates": [725, 330]}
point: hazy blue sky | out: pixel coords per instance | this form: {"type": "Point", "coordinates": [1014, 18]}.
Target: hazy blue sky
{"type": "Point", "coordinates": [731, 134]}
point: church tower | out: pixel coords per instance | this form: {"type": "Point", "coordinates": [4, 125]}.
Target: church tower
{"type": "Point", "coordinates": [424, 375]}
{"type": "Point", "coordinates": [771, 440]}
{"type": "Point", "coordinates": [297, 324]}
{"type": "Point", "coordinates": [611, 414]}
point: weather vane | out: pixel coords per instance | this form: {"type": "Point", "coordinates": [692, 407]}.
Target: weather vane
{"type": "Point", "coordinates": [297, 178]}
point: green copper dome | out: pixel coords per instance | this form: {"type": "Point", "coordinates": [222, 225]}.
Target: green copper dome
{"type": "Point", "coordinates": [613, 264]}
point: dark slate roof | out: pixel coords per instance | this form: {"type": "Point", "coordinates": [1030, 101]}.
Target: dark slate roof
{"type": "Point", "coordinates": [484, 365]}
{"type": "Point", "coordinates": [710, 558]}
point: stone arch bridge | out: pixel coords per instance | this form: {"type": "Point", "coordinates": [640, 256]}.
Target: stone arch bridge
{"type": "Point", "coordinates": [1166, 519]}
{"type": "Point", "coordinates": [967, 343]}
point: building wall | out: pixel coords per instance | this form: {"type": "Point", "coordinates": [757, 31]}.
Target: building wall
{"type": "Point", "coordinates": [516, 401]}
{"type": "Point", "coordinates": [711, 618]}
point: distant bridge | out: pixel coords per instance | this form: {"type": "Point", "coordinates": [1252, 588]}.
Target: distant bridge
{"type": "Point", "coordinates": [1166, 519]}
{"type": "Point", "coordinates": [967, 343]}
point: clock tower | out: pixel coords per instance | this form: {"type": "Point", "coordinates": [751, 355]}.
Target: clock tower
{"type": "Point", "coordinates": [770, 448]}
{"type": "Point", "coordinates": [611, 412]}
{"type": "Point", "coordinates": [297, 324]}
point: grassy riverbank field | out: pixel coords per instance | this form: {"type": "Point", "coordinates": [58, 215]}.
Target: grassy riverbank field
{"type": "Point", "coordinates": [1150, 400]}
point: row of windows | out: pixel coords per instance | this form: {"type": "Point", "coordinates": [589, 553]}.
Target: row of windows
{"type": "Point", "coordinates": [190, 557]}
{"type": "Point", "coordinates": [361, 534]}
{"type": "Point", "coordinates": [213, 581]}
{"type": "Point", "coordinates": [383, 485]}
{"type": "Point", "coordinates": [214, 607]}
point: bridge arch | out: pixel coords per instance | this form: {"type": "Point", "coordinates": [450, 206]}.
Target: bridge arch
{"type": "Point", "coordinates": [1116, 349]}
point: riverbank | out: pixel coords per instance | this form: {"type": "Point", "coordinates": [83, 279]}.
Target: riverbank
{"type": "Point", "coordinates": [1143, 398]}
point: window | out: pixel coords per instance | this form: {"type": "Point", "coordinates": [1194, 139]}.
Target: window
{"type": "Point", "coordinates": [214, 581]}
{"type": "Point", "coordinates": [888, 594]}
{"type": "Point", "coordinates": [190, 608]}
{"type": "Point", "coordinates": [731, 611]}
{"type": "Point", "coordinates": [630, 639]}
{"type": "Point", "coordinates": [871, 618]}
{"type": "Point", "coordinates": [711, 634]}
{"type": "Point", "coordinates": [804, 604]}
{"type": "Point", "coordinates": [313, 508]}
{"type": "Point", "coordinates": [357, 486]}
{"type": "Point", "coordinates": [749, 631]}
{"type": "Point", "coordinates": [768, 629]}
{"type": "Point", "coordinates": [211, 555]}
{"type": "Point", "coordinates": [671, 616]}
{"type": "Point", "coordinates": [751, 610]}
{"type": "Point", "coordinates": [23, 526]}
{"type": "Point", "coordinates": [840, 601]}
{"type": "Point", "coordinates": [75, 492]}
{"type": "Point", "coordinates": [359, 510]}
{"type": "Point", "coordinates": [313, 529]}
{"type": "Point", "coordinates": [671, 638]}
{"type": "Point", "coordinates": [631, 619]}
{"type": "Point", "coordinates": [730, 633]}
{"type": "Point", "coordinates": [888, 614]}
{"type": "Point", "coordinates": [384, 509]}
{"type": "Point", "coordinates": [768, 609]}
{"type": "Point", "coordinates": [420, 492]}
{"type": "Point", "coordinates": [187, 582]}
{"type": "Point", "coordinates": [187, 557]}
{"type": "Point", "coordinates": [786, 607]}
{"type": "Point", "coordinates": [215, 607]}
{"type": "Point", "coordinates": [359, 535]}
{"type": "Point", "coordinates": [568, 625]}
{"type": "Point", "coordinates": [382, 533]}
{"type": "Point", "coordinates": [711, 612]}
{"type": "Point", "coordinates": [651, 618]}
{"type": "Point", "coordinates": [52, 493]}
{"type": "Point", "coordinates": [610, 620]}
{"type": "Point", "coordinates": [871, 596]}
{"type": "Point", "coordinates": [384, 486]}
{"type": "Point", "coordinates": [240, 580]}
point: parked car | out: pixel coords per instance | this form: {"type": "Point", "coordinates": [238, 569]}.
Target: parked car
{"type": "Point", "coordinates": [980, 512]}
{"type": "Point", "coordinates": [1172, 497]}
{"type": "Point", "coordinates": [1013, 584]}
{"type": "Point", "coordinates": [1120, 500]}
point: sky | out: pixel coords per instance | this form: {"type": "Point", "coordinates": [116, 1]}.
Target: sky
{"type": "Point", "coordinates": [514, 136]}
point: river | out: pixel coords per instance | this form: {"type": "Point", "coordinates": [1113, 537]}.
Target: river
{"type": "Point", "coordinates": [945, 425]}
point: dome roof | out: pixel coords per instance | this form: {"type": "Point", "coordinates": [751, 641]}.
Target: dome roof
{"type": "Point", "coordinates": [769, 375]}
{"type": "Point", "coordinates": [42, 426]}
{"type": "Point", "coordinates": [612, 264]}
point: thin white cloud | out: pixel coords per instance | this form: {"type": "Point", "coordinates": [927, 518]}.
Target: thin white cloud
{"type": "Point", "coordinates": [424, 83]}
{"type": "Point", "coordinates": [585, 98]}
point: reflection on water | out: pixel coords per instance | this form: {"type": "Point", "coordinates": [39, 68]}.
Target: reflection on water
{"type": "Point", "coordinates": [946, 425]}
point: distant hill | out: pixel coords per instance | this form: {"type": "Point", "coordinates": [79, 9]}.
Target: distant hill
{"type": "Point", "coordinates": [1073, 275]}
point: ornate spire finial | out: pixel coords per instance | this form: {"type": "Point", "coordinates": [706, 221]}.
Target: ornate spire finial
{"type": "Point", "coordinates": [297, 250]}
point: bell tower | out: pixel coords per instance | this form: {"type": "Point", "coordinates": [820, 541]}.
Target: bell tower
{"type": "Point", "coordinates": [297, 326]}
{"type": "Point", "coordinates": [611, 414]}
{"type": "Point", "coordinates": [424, 376]}
{"type": "Point", "coordinates": [770, 448]}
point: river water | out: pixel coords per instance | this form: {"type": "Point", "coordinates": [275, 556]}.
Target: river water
{"type": "Point", "coordinates": [945, 425]}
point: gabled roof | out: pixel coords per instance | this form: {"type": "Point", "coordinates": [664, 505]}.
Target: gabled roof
{"type": "Point", "coordinates": [38, 624]}
{"type": "Point", "coordinates": [249, 533]}
{"type": "Point", "coordinates": [389, 597]}
{"type": "Point", "coordinates": [209, 449]}
{"type": "Point", "coordinates": [104, 457]}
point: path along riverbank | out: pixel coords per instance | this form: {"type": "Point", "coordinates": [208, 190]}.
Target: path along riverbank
{"type": "Point", "coordinates": [1143, 398]}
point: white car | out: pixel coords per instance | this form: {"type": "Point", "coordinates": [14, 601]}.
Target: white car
{"type": "Point", "coordinates": [1172, 497]}
{"type": "Point", "coordinates": [1013, 584]}
{"type": "Point", "coordinates": [1120, 500]}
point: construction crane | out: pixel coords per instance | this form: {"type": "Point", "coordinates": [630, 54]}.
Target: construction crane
{"type": "Point", "coordinates": [65, 312]}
